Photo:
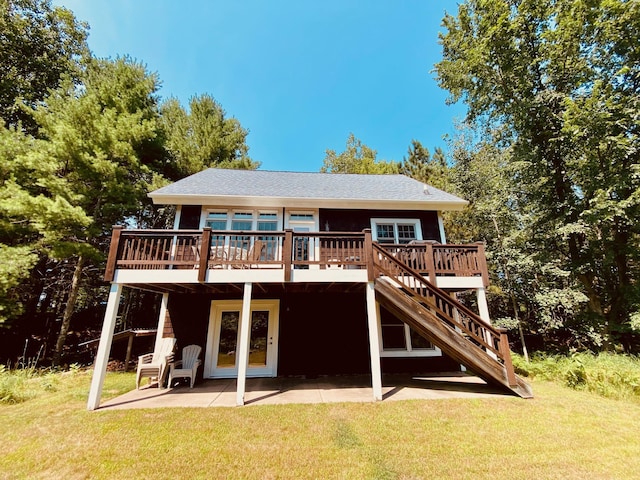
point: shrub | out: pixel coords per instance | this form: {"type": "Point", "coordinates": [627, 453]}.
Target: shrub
{"type": "Point", "coordinates": [607, 374]}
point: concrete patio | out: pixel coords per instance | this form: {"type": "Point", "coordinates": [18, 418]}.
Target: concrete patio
{"type": "Point", "coordinates": [270, 391]}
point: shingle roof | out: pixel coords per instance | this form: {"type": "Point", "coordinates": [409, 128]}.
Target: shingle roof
{"type": "Point", "coordinates": [215, 182]}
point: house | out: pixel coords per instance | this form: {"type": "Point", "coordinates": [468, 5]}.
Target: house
{"type": "Point", "coordinates": [288, 273]}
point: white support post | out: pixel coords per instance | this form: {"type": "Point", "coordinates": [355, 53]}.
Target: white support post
{"type": "Point", "coordinates": [374, 342]}
{"type": "Point", "coordinates": [162, 317]}
{"type": "Point", "coordinates": [243, 346]}
{"type": "Point", "coordinates": [456, 316]}
{"type": "Point", "coordinates": [483, 308]}
{"type": "Point", "coordinates": [104, 347]}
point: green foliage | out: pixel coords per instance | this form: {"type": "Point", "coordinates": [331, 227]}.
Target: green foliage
{"type": "Point", "coordinates": [555, 86]}
{"type": "Point", "coordinates": [39, 44]}
{"type": "Point", "coordinates": [357, 158]}
{"type": "Point", "coordinates": [610, 375]}
{"type": "Point", "coordinates": [202, 138]}
{"type": "Point", "coordinates": [22, 384]}
{"type": "Point", "coordinates": [422, 166]}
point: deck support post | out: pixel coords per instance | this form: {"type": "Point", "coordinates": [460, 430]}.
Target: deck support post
{"type": "Point", "coordinates": [483, 308]}
{"type": "Point", "coordinates": [162, 317]}
{"type": "Point", "coordinates": [483, 311]}
{"type": "Point", "coordinates": [456, 317]}
{"type": "Point", "coordinates": [244, 335]}
{"type": "Point", "coordinates": [104, 347]}
{"type": "Point", "coordinates": [374, 342]}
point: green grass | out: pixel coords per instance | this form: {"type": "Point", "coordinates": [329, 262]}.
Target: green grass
{"type": "Point", "coordinates": [561, 433]}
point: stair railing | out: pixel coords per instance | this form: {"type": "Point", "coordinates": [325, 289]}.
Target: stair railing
{"type": "Point", "coordinates": [445, 308]}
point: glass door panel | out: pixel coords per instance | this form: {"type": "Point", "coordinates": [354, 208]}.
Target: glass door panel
{"type": "Point", "coordinates": [223, 340]}
{"type": "Point", "coordinates": [259, 338]}
{"type": "Point", "coordinates": [228, 343]}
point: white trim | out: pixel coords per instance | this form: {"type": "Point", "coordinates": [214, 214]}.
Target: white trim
{"type": "Point", "coordinates": [395, 221]}
{"type": "Point", "coordinates": [244, 334]}
{"type": "Point", "coordinates": [314, 203]}
{"type": "Point", "coordinates": [231, 210]}
{"type": "Point", "coordinates": [104, 347]}
{"type": "Point", "coordinates": [374, 341]}
{"type": "Point", "coordinates": [162, 317]}
{"type": "Point", "coordinates": [443, 237]}
{"type": "Point", "coordinates": [213, 338]}
{"type": "Point", "coordinates": [314, 224]}
{"type": "Point", "coordinates": [176, 220]}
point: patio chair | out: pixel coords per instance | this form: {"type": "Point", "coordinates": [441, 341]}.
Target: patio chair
{"type": "Point", "coordinates": [188, 366]}
{"type": "Point", "coordinates": [154, 365]}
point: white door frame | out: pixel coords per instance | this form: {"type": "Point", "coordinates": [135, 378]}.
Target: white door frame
{"type": "Point", "coordinates": [213, 338]}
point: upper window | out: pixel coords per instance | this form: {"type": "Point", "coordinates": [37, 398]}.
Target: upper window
{"type": "Point", "coordinates": [395, 231]}
{"type": "Point", "coordinates": [242, 220]}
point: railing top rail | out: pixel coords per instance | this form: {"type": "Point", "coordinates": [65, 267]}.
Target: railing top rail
{"type": "Point", "coordinates": [469, 246]}
{"type": "Point", "coordinates": [434, 291]}
{"type": "Point", "coordinates": [240, 232]}
{"type": "Point", "coordinates": [159, 231]}
{"type": "Point", "coordinates": [329, 234]}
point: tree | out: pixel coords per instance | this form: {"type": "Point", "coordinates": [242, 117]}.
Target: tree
{"type": "Point", "coordinates": [559, 82]}
{"type": "Point", "coordinates": [202, 138]}
{"type": "Point", "coordinates": [424, 167]}
{"type": "Point", "coordinates": [39, 44]}
{"type": "Point", "coordinates": [94, 142]}
{"type": "Point", "coordinates": [357, 158]}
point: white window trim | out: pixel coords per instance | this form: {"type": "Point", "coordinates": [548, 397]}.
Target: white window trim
{"type": "Point", "coordinates": [409, 352]}
{"type": "Point", "coordinates": [395, 221]}
{"type": "Point", "coordinates": [255, 214]}
{"type": "Point", "coordinates": [313, 224]}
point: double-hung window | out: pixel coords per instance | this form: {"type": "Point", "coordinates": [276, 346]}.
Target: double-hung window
{"type": "Point", "coordinates": [395, 231]}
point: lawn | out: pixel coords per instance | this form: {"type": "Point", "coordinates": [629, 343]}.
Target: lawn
{"type": "Point", "coordinates": [562, 433]}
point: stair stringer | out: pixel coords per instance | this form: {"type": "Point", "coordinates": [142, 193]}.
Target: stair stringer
{"type": "Point", "coordinates": [450, 341]}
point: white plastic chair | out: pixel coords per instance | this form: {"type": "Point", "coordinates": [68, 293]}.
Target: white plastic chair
{"type": "Point", "coordinates": [154, 365]}
{"type": "Point", "coordinates": [188, 366]}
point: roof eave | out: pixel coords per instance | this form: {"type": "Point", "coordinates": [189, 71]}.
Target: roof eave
{"type": "Point", "coordinates": [273, 202]}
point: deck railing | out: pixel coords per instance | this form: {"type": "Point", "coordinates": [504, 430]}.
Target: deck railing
{"type": "Point", "coordinates": [432, 259]}
{"type": "Point", "coordinates": [206, 249]}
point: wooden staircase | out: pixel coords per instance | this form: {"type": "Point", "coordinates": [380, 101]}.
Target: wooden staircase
{"type": "Point", "coordinates": [445, 322]}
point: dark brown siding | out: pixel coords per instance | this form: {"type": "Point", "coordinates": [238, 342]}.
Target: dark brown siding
{"type": "Point", "coordinates": [321, 332]}
{"type": "Point", "coordinates": [190, 217]}
{"type": "Point", "coordinates": [358, 220]}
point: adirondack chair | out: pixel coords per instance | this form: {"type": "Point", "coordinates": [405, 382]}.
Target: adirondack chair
{"type": "Point", "coordinates": [154, 365]}
{"type": "Point", "coordinates": [188, 366]}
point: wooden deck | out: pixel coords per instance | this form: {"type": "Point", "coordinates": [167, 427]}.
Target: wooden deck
{"type": "Point", "coordinates": [286, 251]}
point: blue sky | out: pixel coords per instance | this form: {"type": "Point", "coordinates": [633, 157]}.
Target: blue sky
{"type": "Point", "coordinates": [299, 75]}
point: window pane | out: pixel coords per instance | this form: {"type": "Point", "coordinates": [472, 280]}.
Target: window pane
{"type": "Point", "coordinates": [418, 342]}
{"type": "Point", "coordinates": [393, 337]}
{"type": "Point", "coordinates": [216, 220]}
{"type": "Point", "coordinates": [406, 232]}
{"type": "Point", "coordinates": [228, 339]}
{"type": "Point", "coordinates": [258, 342]}
{"type": "Point", "coordinates": [384, 232]}
{"type": "Point", "coordinates": [271, 216]}
{"type": "Point", "coordinates": [241, 225]}
{"type": "Point", "coordinates": [264, 226]}
{"type": "Point", "coordinates": [308, 217]}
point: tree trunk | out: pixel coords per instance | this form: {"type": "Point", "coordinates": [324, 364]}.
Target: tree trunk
{"type": "Point", "coordinates": [68, 311]}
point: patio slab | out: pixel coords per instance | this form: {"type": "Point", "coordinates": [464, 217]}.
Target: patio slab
{"type": "Point", "coordinates": [270, 391]}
